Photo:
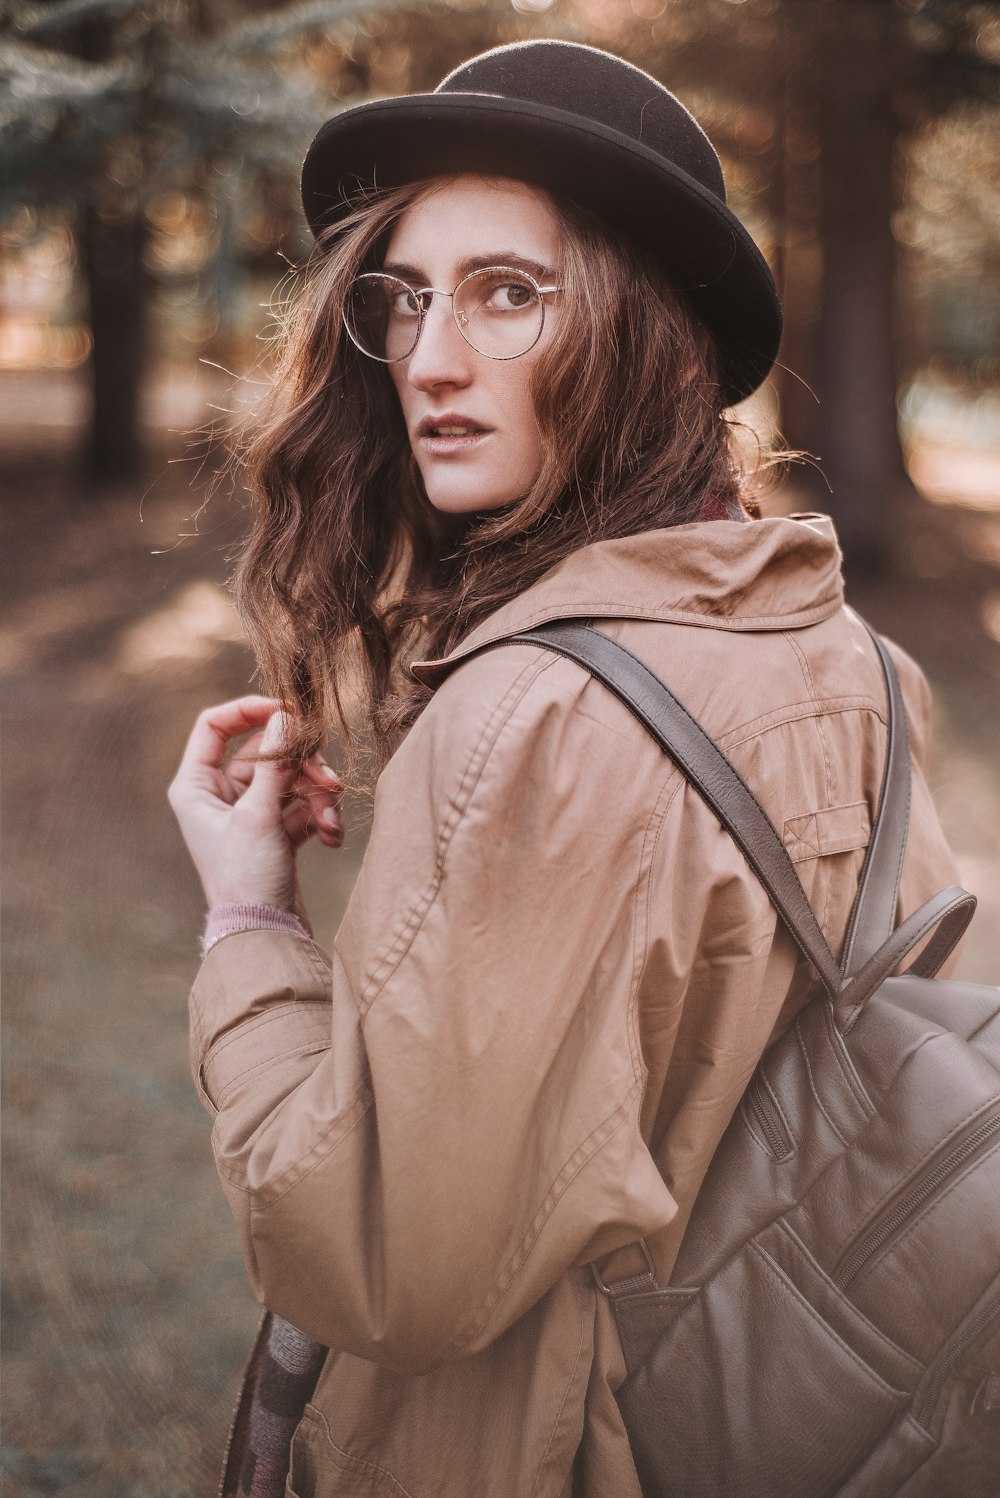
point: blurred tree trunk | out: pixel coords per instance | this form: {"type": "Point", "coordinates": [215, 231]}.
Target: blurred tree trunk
{"type": "Point", "coordinates": [857, 434]}
{"type": "Point", "coordinates": [112, 247]}
{"type": "Point", "coordinates": [112, 237]}
{"type": "Point", "coordinates": [799, 268]}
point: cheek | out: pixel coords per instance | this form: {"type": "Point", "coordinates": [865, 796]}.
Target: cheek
{"type": "Point", "coordinates": [525, 420]}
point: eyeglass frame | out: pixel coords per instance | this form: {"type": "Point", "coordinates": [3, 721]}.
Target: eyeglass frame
{"type": "Point", "coordinates": [418, 292]}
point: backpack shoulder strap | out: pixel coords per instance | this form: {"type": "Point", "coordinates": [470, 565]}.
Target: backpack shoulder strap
{"type": "Point", "coordinates": [873, 915]}
{"type": "Point", "coordinates": [705, 766]}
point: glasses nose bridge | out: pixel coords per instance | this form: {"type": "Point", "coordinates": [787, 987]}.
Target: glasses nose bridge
{"type": "Point", "coordinates": [425, 312]}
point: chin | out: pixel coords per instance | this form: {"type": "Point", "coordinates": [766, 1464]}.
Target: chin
{"type": "Point", "coordinates": [455, 499]}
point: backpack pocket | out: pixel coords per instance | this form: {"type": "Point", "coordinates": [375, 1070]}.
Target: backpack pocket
{"type": "Point", "coordinates": [936, 1235]}
{"type": "Point", "coordinates": [767, 1350]}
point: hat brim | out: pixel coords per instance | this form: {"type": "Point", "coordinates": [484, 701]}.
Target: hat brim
{"type": "Point", "coordinates": [709, 254]}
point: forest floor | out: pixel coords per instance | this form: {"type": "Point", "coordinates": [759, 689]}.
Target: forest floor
{"type": "Point", "coordinates": [127, 1316]}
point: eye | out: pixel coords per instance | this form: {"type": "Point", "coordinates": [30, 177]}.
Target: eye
{"type": "Point", "coordinates": [500, 291]}
{"type": "Point", "coordinates": [406, 302]}
{"type": "Point", "coordinates": [513, 296]}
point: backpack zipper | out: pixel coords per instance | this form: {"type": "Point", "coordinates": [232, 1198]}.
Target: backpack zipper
{"type": "Point", "coordinates": [764, 1113]}
{"type": "Point", "coordinates": [883, 1228]}
{"type": "Point", "coordinates": [937, 1373]}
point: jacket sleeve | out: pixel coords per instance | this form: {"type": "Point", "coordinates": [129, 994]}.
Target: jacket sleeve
{"type": "Point", "coordinates": [417, 1139]}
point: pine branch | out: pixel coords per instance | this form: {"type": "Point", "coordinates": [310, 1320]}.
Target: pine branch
{"type": "Point", "coordinates": [292, 20]}
{"type": "Point", "coordinates": [249, 101]}
{"type": "Point", "coordinates": [35, 20]}
{"type": "Point", "coordinates": [31, 74]}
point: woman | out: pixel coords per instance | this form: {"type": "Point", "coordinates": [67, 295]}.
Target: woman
{"type": "Point", "coordinates": [501, 404]}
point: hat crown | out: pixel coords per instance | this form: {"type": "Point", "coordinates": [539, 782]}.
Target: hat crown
{"type": "Point", "coordinates": [599, 87]}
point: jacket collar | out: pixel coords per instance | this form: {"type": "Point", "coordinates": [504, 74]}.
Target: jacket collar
{"type": "Point", "coordinates": [781, 573]}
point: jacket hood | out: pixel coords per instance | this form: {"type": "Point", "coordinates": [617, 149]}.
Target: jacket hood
{"type": "Point", "coordinates": [774, 574]}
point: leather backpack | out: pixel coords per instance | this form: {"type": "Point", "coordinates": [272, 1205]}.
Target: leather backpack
{"type": "Point", "coordinates": [832, 1323]}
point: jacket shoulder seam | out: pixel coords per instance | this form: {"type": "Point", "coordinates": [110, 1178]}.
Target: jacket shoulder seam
{"type": "Point", "coordinates": [795, 712]}
{"type": "Point", "coordinates": [325, 1142]}
{"type": "Point", "coordinates": [385, 965]}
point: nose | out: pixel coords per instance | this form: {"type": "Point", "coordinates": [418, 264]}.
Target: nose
{"type": "Point", "coordinates": [442, 356]}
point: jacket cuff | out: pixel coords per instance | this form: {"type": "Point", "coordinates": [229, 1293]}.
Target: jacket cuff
{"type": "Point", "coordinates": [259, 996]}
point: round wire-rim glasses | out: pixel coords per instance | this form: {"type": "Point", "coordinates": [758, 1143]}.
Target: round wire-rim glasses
{"type": "Point", "coordinates": [384, 315]}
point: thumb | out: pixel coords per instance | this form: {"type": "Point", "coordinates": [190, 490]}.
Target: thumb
{"type": "Point", "coordinates": [272, 777]}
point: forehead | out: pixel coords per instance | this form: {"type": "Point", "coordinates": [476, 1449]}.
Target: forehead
{"type": "Point", "coordinates": [467, 216]}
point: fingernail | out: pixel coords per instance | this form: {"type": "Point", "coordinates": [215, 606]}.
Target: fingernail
{"type": "Point", "coordinates": [330, 818]}
{"type": "Point", "coordinates": [277, 732]}
{"type": "Point", "coordinates": [331, 775]}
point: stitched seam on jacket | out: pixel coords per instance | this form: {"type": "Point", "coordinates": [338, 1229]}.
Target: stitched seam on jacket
{"type": "Point", "coordinates": [904, 726]}
{"type": "Point", "coordinates": [345, 1122]}
{"type": "Point", "coordinates": [824, 917]}
{"type": "Point", "coordinates": [668, 791]}
{"type": "Point", "coordinates": [312, 953]}
{"type": "Point", "coordinates": [308, 949]}
{"type": "Point", "coordinates": [800, 843]}
{"type": "Point", "coordinates": [834, 707]}
{"type": "Point", "coordinates": [645, 670]}
{"type": "Point", "coordinates": [322, 1145]}
{"type": "Point", "coordinates": [383, 967]}
{"type": "Point", "coordinates": [371, 1468]}
{"type": "Point", "coordinates": [581, 1156]}
{"type": "Point", "coordinates": [814, 695]}
{"type": "Point", "coordinates": [562, 1403]}
{"type": "Point", "coordinates": [311, 1045]}
{"type": "Point", "coordinates": [825, 1326]}
{"type": "Point", "coordinates": [812, 1084]}
{"type": "Point", "coordinates": [258, 1021]}
{"type": "Point", "coordinates": [196, 1025]}
{"type": "Point", "coordinates": [314, 957]}
{"type": "Point", "coordinates": [809, 853]}
{"type": "Point", "coordinates": [614, 609]}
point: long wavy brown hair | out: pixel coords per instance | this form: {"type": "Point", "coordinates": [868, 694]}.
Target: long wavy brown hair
{"type": "Point", "coordinates": [348, 572]}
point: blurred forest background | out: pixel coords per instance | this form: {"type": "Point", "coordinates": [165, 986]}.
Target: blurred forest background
{"type": "Point", "coordinates": [149, 225]}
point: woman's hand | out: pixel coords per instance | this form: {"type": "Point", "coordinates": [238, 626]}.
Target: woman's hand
{"type": "Point", "coordinates": [244, 818]}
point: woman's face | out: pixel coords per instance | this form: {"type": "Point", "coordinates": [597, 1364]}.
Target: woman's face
{"type": "Point", "coordinates": [463, 224]}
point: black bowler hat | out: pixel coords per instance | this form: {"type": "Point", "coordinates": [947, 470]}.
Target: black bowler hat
{"type": "Point", "coordinates": [592, 127]}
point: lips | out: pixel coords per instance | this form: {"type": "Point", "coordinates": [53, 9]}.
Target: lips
{"type": "Point", "coordinates": [451, 424]}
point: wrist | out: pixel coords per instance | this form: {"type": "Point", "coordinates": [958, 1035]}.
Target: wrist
{"type": "Point", "coordinates": [247, 891]}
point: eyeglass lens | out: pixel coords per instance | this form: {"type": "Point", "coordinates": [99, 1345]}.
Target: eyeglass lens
{"type": "Point", "coordinates": [499, 313]}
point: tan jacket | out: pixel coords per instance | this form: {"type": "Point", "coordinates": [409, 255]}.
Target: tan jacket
{"type": "Point", "coordinates": [553, 980]}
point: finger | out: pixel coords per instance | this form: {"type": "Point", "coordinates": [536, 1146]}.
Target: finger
{"type": "Point", "coordinates": [301, 822]}
{"type": "Point", "coordinates": [324, 801]}
{"type": "Point", "coordinates": [320, 773]}
{"type": "Point", "coordinates": [240, 767]}
{"type": "Point", "coordinates": [213, 729]}
{"type": "Point", "coordinates": [273, 777]}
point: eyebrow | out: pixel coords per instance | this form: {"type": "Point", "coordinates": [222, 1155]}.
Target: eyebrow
{"type": "Point", "coordinates": [413, 273]}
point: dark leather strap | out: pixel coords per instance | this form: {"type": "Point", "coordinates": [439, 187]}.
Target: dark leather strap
{"type": "Point", "coordinates": [946, 914]}
{"type": "Point", "coordinates": [707, 769]}
{"type": "Point", "coordinates": [873, 915]}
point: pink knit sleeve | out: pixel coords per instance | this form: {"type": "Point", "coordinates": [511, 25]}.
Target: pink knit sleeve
{"type": "Point", "coordinates": [228, 920]}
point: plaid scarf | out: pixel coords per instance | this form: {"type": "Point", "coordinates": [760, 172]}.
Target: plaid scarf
{"type": "Point", "coordinates": [279, 1380]}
